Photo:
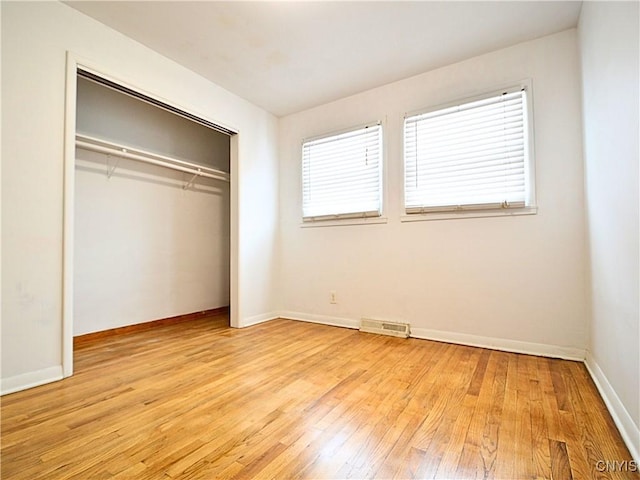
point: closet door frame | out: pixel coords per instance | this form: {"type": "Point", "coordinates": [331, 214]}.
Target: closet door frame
{"type": "Point", "coordinates": [75, 62]}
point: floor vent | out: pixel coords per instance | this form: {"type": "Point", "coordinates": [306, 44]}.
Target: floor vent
{"type": "Point", "coordinates": [383, 327]}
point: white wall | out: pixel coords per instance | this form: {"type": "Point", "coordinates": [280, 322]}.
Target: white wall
{"type": "Point", "coordinates": [145, 248]}
{"type": "Point", "coordinates": [515, 282]}
{"type": "Point", "coordinates": [35, 39]}
{"type": "Point", "coordinates": [609, 37]}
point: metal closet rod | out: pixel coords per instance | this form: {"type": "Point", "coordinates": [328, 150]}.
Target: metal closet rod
{"type": "Point", "coordinates": [102, 146]}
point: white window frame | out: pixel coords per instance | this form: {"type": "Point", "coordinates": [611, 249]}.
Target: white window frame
{"type": "Point", "coordinates": [477, 211]}
{"type": "Point", "coordinates": [353, 218]}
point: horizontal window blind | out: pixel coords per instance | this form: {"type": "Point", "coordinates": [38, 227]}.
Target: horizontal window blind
{"type": "Point", "coordinates": [470, 156]}
{"type": "Point", "coordinates": [341, 175]}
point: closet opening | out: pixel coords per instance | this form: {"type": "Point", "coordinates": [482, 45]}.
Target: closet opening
{"type": "Point", "coordinates": [151, 211]}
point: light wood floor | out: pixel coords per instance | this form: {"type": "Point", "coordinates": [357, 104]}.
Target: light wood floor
{"type": "Point", "coordinates": [295, 400]}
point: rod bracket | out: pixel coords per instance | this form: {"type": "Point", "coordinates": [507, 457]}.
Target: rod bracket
{"type": "Point", "coordinates": [110, 170]}
{"type": "Point", "coordinates": [192, 180]}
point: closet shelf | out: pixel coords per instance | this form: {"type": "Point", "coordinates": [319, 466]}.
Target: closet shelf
{"type": "Point", "coordinates": [111, 148]}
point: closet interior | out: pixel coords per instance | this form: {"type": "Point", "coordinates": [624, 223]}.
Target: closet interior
{"type": "Point", "coordinates": [151, 211]}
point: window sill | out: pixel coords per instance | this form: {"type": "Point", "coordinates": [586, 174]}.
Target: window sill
{"type": "Point", "coordinates": [344, 222]}
{"type": "Point", "coordinates": [422, 217]}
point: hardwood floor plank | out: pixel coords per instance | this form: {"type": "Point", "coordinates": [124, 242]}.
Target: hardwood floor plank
{"type": "Point", "coordinates": [448, 463]}
{"type": "Point", "coordinates": [506, 455]}
{"type": "Point", "coordinates": [560, 467]}
{"type": "Point", "coordinates": [549, 402]}
{"type": "Point", "coordinates": [479, 374]}
{"type": "Point", "coordinates": [539, 431]}
{"type": "Point", "coordinates": [491, 433]}
{"type": "Point", "coordinates": [523, 446]}
{"type": "Point", "coordinates": [285, 399]}
{"type": "Point", "coordinates": [558, 385]}
{"type": "Point", "coordinates": [471, 463]}
{"type": "Point", "coordinates": [456, 394]}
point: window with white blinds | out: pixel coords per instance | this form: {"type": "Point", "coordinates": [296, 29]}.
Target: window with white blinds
{"type": "Point", "coordinates": [472, 156]}
{"type": "Point", "coordinates": [341, 175]}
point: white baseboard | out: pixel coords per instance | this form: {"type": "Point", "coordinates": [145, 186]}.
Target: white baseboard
{"type": "Point", "coordinates": [256, 319]}
{"type": "Point", "coordinates": [30, 380]}
{"type": "Point", "coordinates": [503, 344]}
{"type": "Point", "coordinates": [506, 345]}
{"type": "Point", "coordinates": [629, 431]}
{"type": "Point", "coordinates": [321, 319]}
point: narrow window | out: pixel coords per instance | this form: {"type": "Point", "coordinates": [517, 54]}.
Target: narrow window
{"type": "Point", "coordinates": [341, 175]}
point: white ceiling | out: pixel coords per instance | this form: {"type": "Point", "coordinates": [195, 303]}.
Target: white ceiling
{"type": "Point", "coordinates": [289, 56]}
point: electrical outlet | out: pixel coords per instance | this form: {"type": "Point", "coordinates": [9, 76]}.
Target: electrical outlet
{"type": "Point", "coordinates": [332, 297]}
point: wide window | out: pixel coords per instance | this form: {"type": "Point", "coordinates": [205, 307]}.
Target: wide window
{"type": "Point", "coordinates": [470, 156]}
{"type": "Point", "coordinates": [341, 175]}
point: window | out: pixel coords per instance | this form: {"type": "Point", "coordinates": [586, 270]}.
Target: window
{"type": "Point", "coordinates": [471, 156]}
{"type": "Point", "coordinates": [341, 175]}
